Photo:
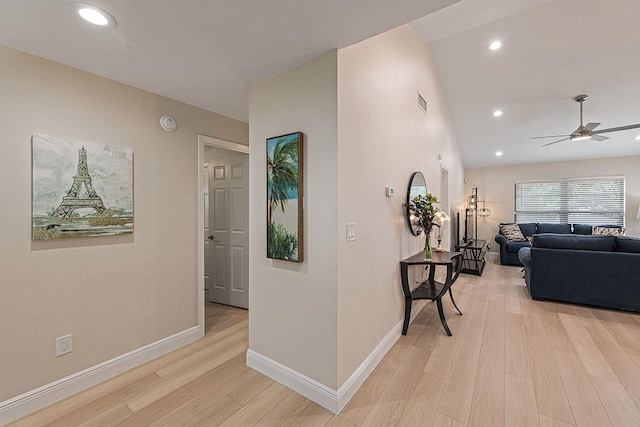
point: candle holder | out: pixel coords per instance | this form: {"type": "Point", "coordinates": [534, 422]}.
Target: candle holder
{"type": "Point", "coordinates": [439, 248]}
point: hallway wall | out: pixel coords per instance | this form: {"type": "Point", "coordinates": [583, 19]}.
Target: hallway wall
{"type": "Point", "coordinates": [357, 108]}
{"type": "Point", "coordinates": [114, 294]}
{"type": "Point", "coordinates": [383, 138]}
{"type": "Point", "coordinates": [292, 308]}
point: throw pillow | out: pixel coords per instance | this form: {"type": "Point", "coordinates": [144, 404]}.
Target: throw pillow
{"type": "Point", "coordinates": [609, 231]}
{"type": "Point", "coordinates": [512, 233]}
{"type": "Point", "coordinates": [582, 229]}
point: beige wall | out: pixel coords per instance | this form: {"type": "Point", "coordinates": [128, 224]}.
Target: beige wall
{"type": "Point", "coordinates": [292, 308]}
{"type": "Point", "coordinates": [496, 187]}
{"type": "Point", "coordinates": [113, 294]}
{"type": "Point", "coordinates": [383, 138]}
{"type": "Point", "coordinates": [358, 110]}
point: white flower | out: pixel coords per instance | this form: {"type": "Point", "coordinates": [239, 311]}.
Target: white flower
{"type": "Point", "coordinates": [440, 217]}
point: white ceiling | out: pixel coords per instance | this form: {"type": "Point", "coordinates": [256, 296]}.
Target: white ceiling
{"type": "Point", "coordinates": [207, 52]}
{"type": "Point", "coordinates": [551, 53]}
{"type": "Point", "coordinates": [202, 52]}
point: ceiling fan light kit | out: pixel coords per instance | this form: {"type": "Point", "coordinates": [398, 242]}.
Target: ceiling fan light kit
{"type": "Point", "coordinates": [585, 132]}
{"type": "Point", "coordinates": [580, 136]}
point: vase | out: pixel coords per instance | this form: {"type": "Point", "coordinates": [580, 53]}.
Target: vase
{"type": "Point", "coordinates": [427, 248]}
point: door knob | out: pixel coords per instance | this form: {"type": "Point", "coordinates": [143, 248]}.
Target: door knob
{"type": "Point", "coordinates": [211, 237]}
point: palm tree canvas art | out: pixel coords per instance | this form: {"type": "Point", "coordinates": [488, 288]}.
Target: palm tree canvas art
{"type": "Point", "coordinates": [284, 197]}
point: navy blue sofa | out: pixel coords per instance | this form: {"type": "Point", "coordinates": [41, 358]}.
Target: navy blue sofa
{"type": "Point", "coordinates": [594, 270]}
{"type": "Point", "coordinates": [509, 250]}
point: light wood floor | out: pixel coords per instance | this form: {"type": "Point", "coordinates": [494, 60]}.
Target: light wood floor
{"type": "Point", "coordinates": [511, 361]}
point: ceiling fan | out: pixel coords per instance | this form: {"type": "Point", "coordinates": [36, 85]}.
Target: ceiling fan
{"type": "Point", "coordinates": [587, 131]}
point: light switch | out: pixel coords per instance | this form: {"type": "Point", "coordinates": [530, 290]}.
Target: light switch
{"type": "Point", "coordinates": [351, 232]}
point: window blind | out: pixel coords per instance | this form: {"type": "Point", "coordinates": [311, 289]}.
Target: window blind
{"type": "Point", "coordinates": [594, 201]}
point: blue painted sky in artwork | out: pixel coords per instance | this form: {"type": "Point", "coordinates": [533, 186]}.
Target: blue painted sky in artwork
{"type": "Point", "coordinates": [271, 143]}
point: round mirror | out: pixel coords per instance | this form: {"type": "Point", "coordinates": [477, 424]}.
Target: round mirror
{"type": "Point", "coordinates": [417, 187]}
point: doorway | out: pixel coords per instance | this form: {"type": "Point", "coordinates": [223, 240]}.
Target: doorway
{"type": "Point", "coordinates": [223, 218]}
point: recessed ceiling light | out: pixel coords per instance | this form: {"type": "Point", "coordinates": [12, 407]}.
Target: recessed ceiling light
{"type": "Point", "coordinates": [495, 45]}
{"type": "Point", "coordinates": [94, 14]}
{"type": "Point", "coordinates": [498, 153]}
{"type": "Point", "coordinates": [638, 137]}
{"type": "Point", "coordinates": [497, 113]}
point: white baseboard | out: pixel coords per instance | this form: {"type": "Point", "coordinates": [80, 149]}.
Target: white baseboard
{"type": "Point", "coordinates": [355, 381]}
{"type": "Point", "coordinates": [33, 400]}
{"type": "Point", "coordinates": [325, 396]}
{"type": "Point", "coordinates": [300, 383]}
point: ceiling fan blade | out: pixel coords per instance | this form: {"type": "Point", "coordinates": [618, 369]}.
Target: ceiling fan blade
{"type": "Point", "coordinates": [636, 126]}
{"type": "Point", "coordinates": [554, 142]}
{"type": "Point", "coordinates": [590, 126]}
{"type": "Point", "coordinates": [599, 138]}
{"type": "Point", "coordinates": [548, 136]}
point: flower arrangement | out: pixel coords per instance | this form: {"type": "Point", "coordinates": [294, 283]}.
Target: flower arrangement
{"type": "Point", "coordinates": [425, 215]}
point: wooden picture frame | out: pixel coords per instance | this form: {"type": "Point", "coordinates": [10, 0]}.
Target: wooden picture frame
{"type": "Point", "coordinates": [285, 232]}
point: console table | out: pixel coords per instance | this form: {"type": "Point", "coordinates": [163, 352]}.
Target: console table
{"type": "Point", "coordinates": [473, 253]}
{"type": "Point", "coordinates": [430, 289]}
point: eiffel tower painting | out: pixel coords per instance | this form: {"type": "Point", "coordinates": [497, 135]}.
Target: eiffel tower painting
{"type": "Point", "coordinates": [99, 201]}
{"type": "Point", "coordinates": [76, 198]}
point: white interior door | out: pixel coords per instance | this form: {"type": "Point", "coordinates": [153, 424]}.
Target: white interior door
{"type": "Point", "coordinates": [208, 262]}
{"type": "Point", "coordinates": [229, 230]}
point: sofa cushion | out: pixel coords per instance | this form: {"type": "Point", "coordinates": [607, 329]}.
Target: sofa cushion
{"type": "Point", "coordinates": [574, 241]}
{"type": "Point", "coordinates": [612, 231]}
{"type": "Point", "coordinates": [514, 247]}
{"type": "Point", "coordinates": [528, 229]}
{"type": "Point", "coordinates": [554, 228]}
{"type": "Point", "coordinates": [511, 232]}
{"type": "Point", "coordinates": [627, 244]}
{"type": "Point", "coordinates": [582, 229]}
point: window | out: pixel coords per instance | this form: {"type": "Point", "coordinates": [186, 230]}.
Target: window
{"type": "Point", "coordinates": [594, 201]}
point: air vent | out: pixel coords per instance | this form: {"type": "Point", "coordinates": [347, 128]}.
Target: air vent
{"type": "Point", "coordinates": [422, 103]}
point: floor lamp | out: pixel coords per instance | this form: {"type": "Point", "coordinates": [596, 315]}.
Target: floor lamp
{"type": "Point", "coordinates": [473, 211]}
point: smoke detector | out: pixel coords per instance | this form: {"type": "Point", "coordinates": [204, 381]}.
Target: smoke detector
{"type": "Point", "coordinates": [168, 123]}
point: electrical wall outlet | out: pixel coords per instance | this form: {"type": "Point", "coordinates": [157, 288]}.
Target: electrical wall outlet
{"type": "Point", "coordinates": [63, 345]}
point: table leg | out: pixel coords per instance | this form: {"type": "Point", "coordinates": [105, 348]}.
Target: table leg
{"type": "Point", "coordinates": [454, 303]}
{"type": "Point", "coordinates": [442, 319]}
{"type": "Point", "coordinates": [407, 314]}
